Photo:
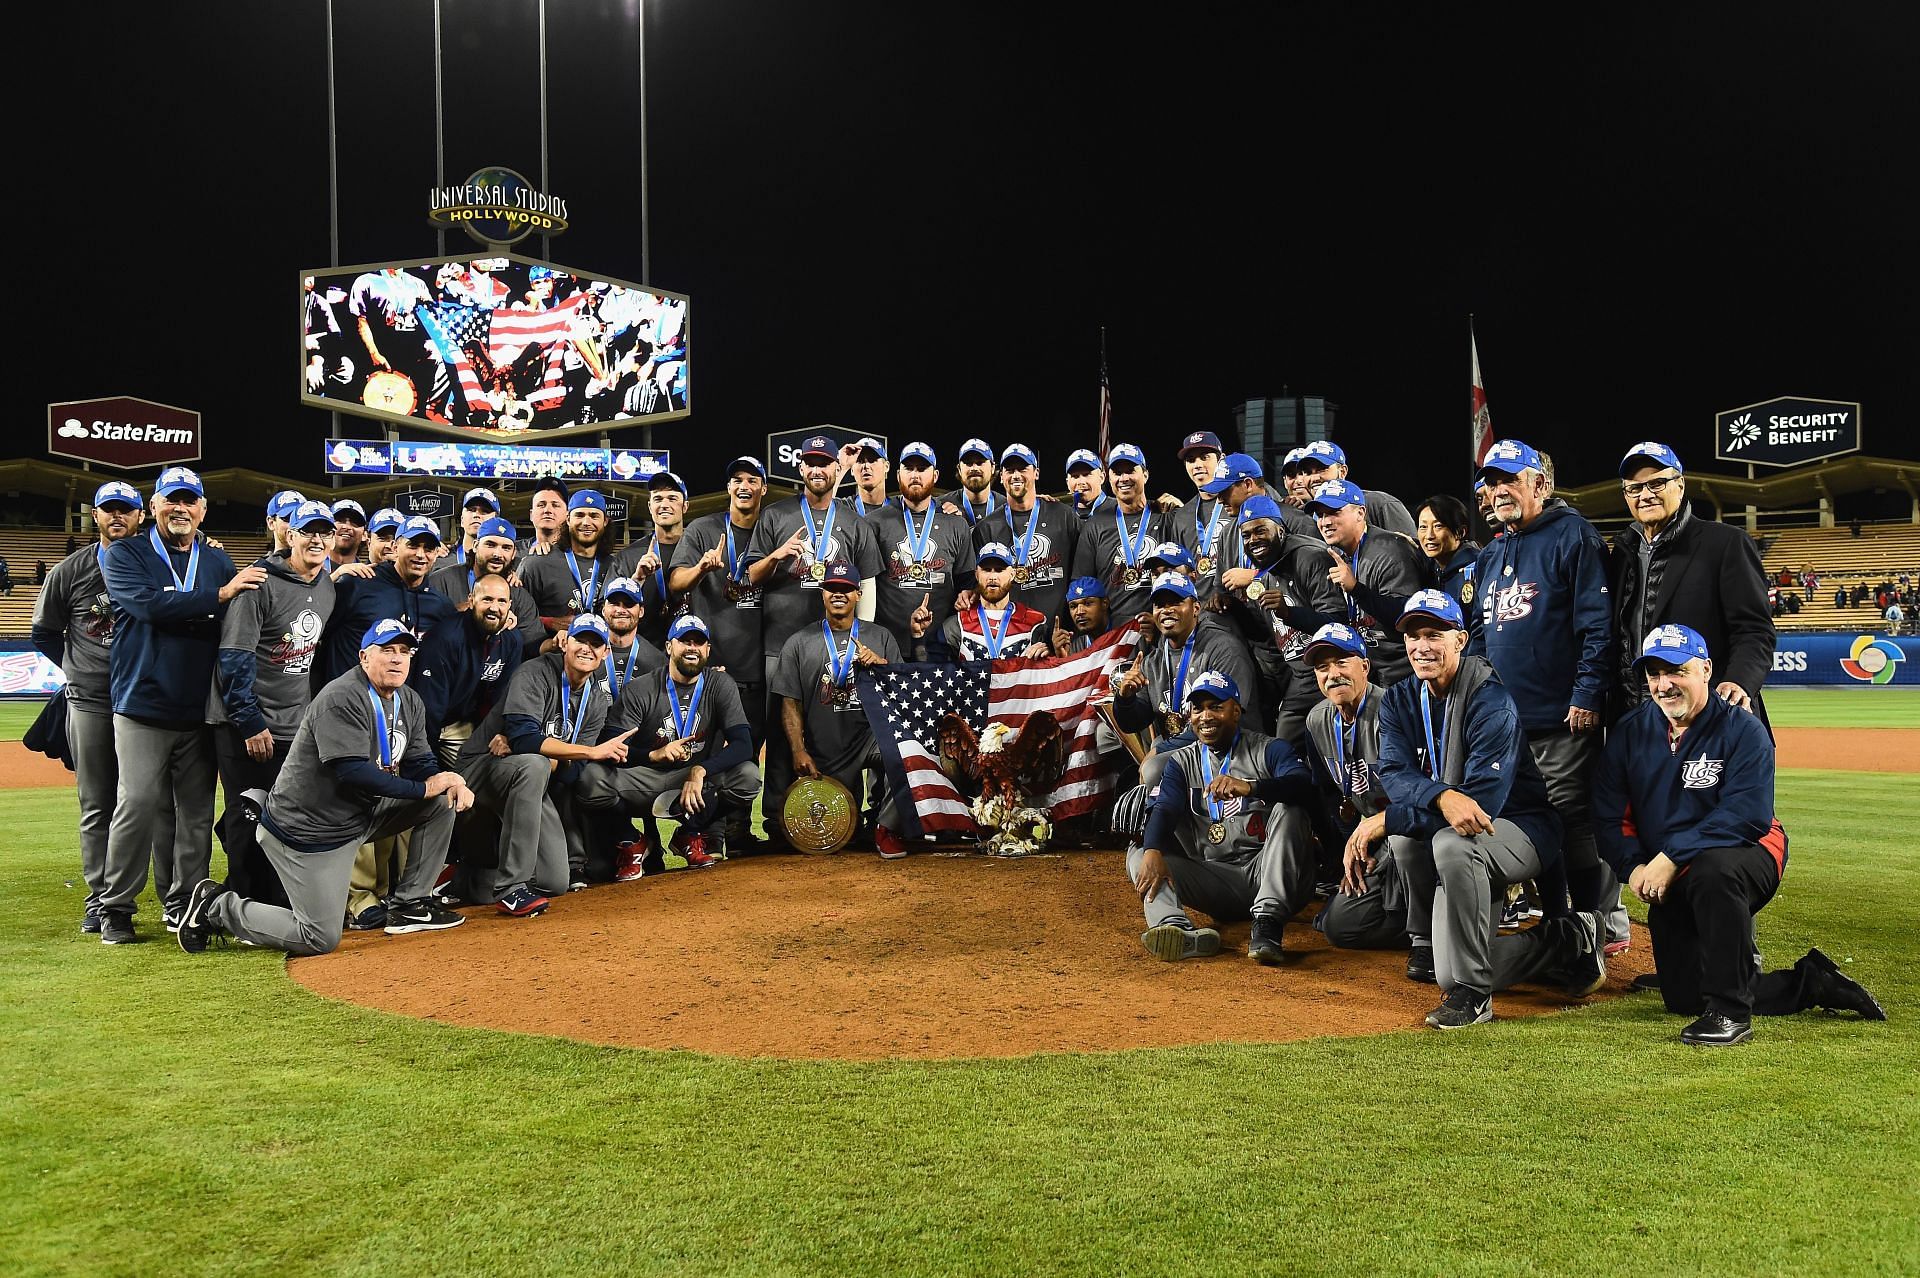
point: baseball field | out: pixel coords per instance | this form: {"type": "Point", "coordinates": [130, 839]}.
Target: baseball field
{"type": "Point", "coordinates": [163, 1114]}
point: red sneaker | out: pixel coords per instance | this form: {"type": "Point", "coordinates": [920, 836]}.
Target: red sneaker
{"type": "Point", "coordinates": [629, 860]}
{"type": "Point", "coordinates": [694, 848]}
{"type": "Point", "coordinates": [892, 847]}
{"type": "Point", "coordinates": [1618, 947]}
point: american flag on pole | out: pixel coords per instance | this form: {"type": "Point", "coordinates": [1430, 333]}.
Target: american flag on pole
{"type": "Point", "coordinates": [905, 703]}
{"type": "Point", "coordinates": [1482, 419]}
{"type": "Point", "coordinates": [1106, 399]}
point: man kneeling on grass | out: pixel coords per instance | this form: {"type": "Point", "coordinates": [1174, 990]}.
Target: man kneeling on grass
{"type": "Point", "coordinates": [1683, 808]}
{"type": "Point", "coordinates": [360, 768]}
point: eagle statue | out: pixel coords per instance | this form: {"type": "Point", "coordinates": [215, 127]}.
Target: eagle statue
{"type": "Point", "coordinates": [1008, 764]}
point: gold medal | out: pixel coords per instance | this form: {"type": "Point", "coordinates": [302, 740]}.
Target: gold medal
{"type": "Point", "coordinates": [1217, 832]}
{"type": "Point", "coordinates": [818, 572]}
{"type": "Point", "coordinates": [1205, 565]}
{"type": "Point", "coordinates": [1466, 593]}
{"type": "Point", "coordinates": [1255, 590]}
{"type": "Point", "coordinates": [917, 571]}
{"type": "Point", "coordinates": [1130, 578]}
{"type": "Point", "coordinates": [1022, 574]}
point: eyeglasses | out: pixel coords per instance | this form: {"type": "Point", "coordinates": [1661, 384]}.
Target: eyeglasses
{"type": "Point", "coordinates": [1656, 486]}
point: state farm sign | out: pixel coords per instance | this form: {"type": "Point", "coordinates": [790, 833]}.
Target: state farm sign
{"type": "Point", "coordinates": [123, 432]}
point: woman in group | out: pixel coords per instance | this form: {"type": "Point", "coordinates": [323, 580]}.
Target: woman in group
{"type": "Point", "coordinates": [1442, 534]}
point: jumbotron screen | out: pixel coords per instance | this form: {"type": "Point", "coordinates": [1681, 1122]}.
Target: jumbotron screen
{"type": "Point", "coordinates": [496, 347]}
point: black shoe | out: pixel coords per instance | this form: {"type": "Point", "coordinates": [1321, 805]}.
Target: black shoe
{"type": "Point", "coordinates": [371, 919]}
{"type": "Point", "coordinates": [1715, 1030]}
{"type": "Point", "coordinates": [1832, 989]}
{"type": "Point", "coordinates": [1420, 965]}
{"type": "Point", "coordinates": [1645, 983]}
{"type": "Point", "coordinates": [170, 917]}
{"type": "Point", "coordinates": [1265, 946]}
{"type": "Point", "coordinates": [90, 922]}
{"type": "Point", "coordinates": [194, 928]}
{"type": "Point", "coordinates": [419, 916]}
{"type": "Point", "coordinates": [1460, 1008]}
{"type": "Point", "coordinates": [116, 927]}
{"type": "Point", "coordinates": [1588, 972]}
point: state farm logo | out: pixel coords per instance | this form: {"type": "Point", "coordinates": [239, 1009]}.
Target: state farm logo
{"type": "Point", "coordinates": [1514, 602]}
{"type": "Point", "coordinates": [1741, 431]}
{"type": "Point", "coordinates": [123, 431]}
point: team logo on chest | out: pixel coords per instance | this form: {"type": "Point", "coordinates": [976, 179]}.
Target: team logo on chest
{"type": "Point", "coordinates": [1511, 603]}
{"type": "Point", "coordinates": [1701, 773]}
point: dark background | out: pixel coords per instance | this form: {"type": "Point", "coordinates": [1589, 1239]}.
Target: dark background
{"type": "Point", "coordinates": [916, 220]}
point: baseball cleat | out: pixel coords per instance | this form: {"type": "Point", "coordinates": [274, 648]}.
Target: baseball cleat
{"type": "Point", "coordinates": [889, 845]}
{"type": "Point", "coordinates": [1620, 946]}
{"type": "Point", "coordinates": [1420, 964]}
{"type": "Point", "coordinates": [419, 916]}
{"type": "Point", "coordinates": [1265, 945]}
{"type": "Point", "coordinates": [522, 902]}
{"type": "Point", "coordinates": [630, 860]}
{"type": "Point", "coordinates": [697, 850]}
{"type": "Point", "coordinates": [1170, 942]}
{"type": "Point", "coordinates": [194, 928]}
{"type": "Point", "coordinates": [1461, 1008]}
{"type": "Point", "coordinates": [170, 917]}
{"type": "Point", "coordinates": [1715, 1030]}
{"type": "Point", "coordinates": [1832, 989]}
{"type": "Point", "coordinates": [1645, 983]}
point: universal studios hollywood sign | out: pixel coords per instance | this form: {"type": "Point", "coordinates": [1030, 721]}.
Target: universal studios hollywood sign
{"type": "Point", "coordinates": [497, 206]}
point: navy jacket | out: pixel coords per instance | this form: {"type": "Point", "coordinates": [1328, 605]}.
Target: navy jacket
{"type": "Point", "coordinates": [1498, 771]}
{"type": "Point", "coordinates": [358, 602]}
{"type": "Point", "coordinates": [1715, 791]}
{"type": "Point", "coordinates": [165, 640]}
{"type": "Point", "coordinates": [449, 669]}
{"type": "Point", "coordinates": [1456, 576]}
{"type": "Point", "coordinates": [1544, 618]}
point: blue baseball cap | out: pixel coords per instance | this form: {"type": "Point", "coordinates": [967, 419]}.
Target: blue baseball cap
{"type": "Point", "coordinates": [347, 503]}
{"type": "Point", "coordinates": [1171, 583]}
{"type": "Point", "coordinates": [1337, 494]}
{"type": "Point", "coordinates": [587, 499]}
{"type": "Point", "coordinates": [994, 550]}
{"type": "Point", "coordinates": [1334, 636]}
{"type": "Point", "coordinates": [384, 518]}
{"type": "Point", "coordinates": [1323, 451]}
{"type": "Point", "coordinates": [1085, 588]}
{"type": "Point", "coordinates": [868, 444]}
{"type": "Point", "coordinates": [283, 503]}
{"type": "Point", "coordinates": [752, 464]}
{"type": "Point", "coordinates": [1201, 441]}
{"type": "Point", "coordinates": [419, 526]}
{"type": "Point", "coordinates": [1479, 483]}
{"type": "Point", "coordinates": [588, 624]}
{"type": "Point", "coordinates": [1261, 507]}
{"type": "Point", "coordinates": [917, 449]}
{"type": "Point", "coordinates": [841, 573]}
{"type": "Point", "coordinates": [975, 448]}
{"type": "Point", "coordinates": [1510, 457]}
{"type": "Point", "coordinates": [1431, 605]}
{"type": "Point", "coordinates": [386, 632]}
{"type": "Point", "coordinates": [1083, 457]}
{"type": "Point", "coordinates": [309, 513]}
{"type": "Point", "coordinates": [1213, 683]}
{"type": "Point", "coordinates": [1170, 553]}
{"type": "Point", "coordinates": [484, 495]}
{"type": "Point", "coordinates": [818, 446]}
{"type": "Point", "coordinates": [1658, 454]}
{"type": "Point", "coordinates": [1019, 452]}
{"type": "Point", "coordinates": [667, 479]}
{"type": "Point", "coordinates": [116, 490]}
{"type": "Point", "coordinates": [1673, 644]}
{"type": "Point", "coordinates": [1234, 468]}
{"type": "Point", "coordinates": [687, 625]}
{"type": "Point", "coordinates": [176, 479]}
{"type": "Point", "coordinates": [1291, 462]}
{"type": "Point", "coordinates": [1126, 453]}
{"type": "Point", "coordinates": [623, 587]}
{"type": "Point", "coordinates": [494, 527]}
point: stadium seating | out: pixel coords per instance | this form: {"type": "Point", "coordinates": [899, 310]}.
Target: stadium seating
{"type": "Point", "coordinates": [24, 547]}
{"type": "Point", "coordinates": [1881, 552]}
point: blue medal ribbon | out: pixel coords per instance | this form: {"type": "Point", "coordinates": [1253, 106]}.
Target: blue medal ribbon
{"type": "Point", "coordinates": [1353, 609]}
{"type": "Point", "coordinates": [733, 557]}
{"type": "Point", "coordinates": [1130, 546]}
{"type": "Point", "coordinates": [822, 538]}
{"type": "Point", "coordinates": [1210, 538]}
{"type": "Point", "coordinates": [1177, 694]}
{"type": "Point", "coordinates": [1206, 775]}
{"type": "Point", "coordinates": [974, 517]}
{"type": "Point", "coordinates": [380, 729]}
{"type": "Point", "coordinates": [619, 675]}
{"type": "Point", "coordinates": [1024, 549]}
{"type": "Point", "coordinates": [917, 539]}
{"type": "Point", "coordinates": [579, 716]}
{"type": "Point", "coordinates": [1341, 748]}
{"type": "Point", "coordinates": [683, 723]}
{"type": "Point", "coordinates": [181, 584]}
{"type": "Point", "coordinates": [660, 576]}
{"type": "Point", "coordinates": [986, 628]}
{"type": "Point", "coordinates": [839, 664]}
{"type": "Point", "coordinates": [589, 586]}
{"type": "Point", "coordinates": [1433, 741]}
{"type": "Point", "coordinates": [460, 553]}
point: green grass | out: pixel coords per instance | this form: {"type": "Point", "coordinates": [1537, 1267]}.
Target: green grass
{"type": "Point", "coordinates": [16, 717]}
{"type": "Point", "coordinates": [1863, 707]}
{"type": "Point", "coordinates": [207, 1116]}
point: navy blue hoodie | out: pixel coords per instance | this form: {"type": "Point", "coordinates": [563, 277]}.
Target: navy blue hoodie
{"type": "Point", "coordinates": [358, 602]}
{"type": "Point", "coordinates": [1544, 619]}
{"type": "Point", "coordinates": [1714, 791]}
{"type": "Point", "coordinates": [460, 672]}
{"type": "Point", "coordinates": [165, 640]}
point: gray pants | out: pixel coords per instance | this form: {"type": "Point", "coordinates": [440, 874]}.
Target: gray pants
{"type": "Point", "coordinates": [533, 842]}
{"type": "Point", "coordinates": [1376, 919]}
{"type": "Point", "coordinates": [1275, 883]}
{"type": "Point", "coordinates": [1567, 763]}
{"type": "Point", "coordinates": [1455, 887]}
{"type": "Point", "coordinates": [97, 778]}
{"type": "Point", "coordinates": [632, 790]}
{"type": "Point", "coordinates": [161, 773]}
{"type": "Point", "coordinates": [316, 882]}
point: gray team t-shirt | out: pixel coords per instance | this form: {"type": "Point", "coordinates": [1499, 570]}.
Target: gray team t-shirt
{"type": "Point", "coordinates": [535, 693]}
{"type": "Point", "coordinates": [731, 609]}
{"type": "Point", "coordinates": [940, 569]}
{"type": "Point", "coordinates": [307, 804]}
{"type": "Point", "coordinates": [660, 605]}
{"type": "Point", "coordinates": [1102, 553]}
{"type": "Point", "coordinates": [280, 623]}
{"type": "Point", "coordinates": [790, 598]}
{"type": "Point", "coordinates": [1049, 551]}
{"type": "Point", "coordinates": [644, 704]}
{"type": "Point", "coordinates": [621, 666]}
{"type": "Point", "coordinates": [74, 601]}
{"type": "Point", "coordinates": [837, 733]}
{"type": "Point", "coordinates": [549, 578]}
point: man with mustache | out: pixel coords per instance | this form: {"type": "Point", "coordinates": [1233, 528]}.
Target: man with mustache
{"type": "Point", "coordinates": [1287, 599]}
{"type": "Point", "coordinates": [1041, 533]}
{"type": "Point", "coordinates": [927, 557]}
{"type": "Point", "coordinates": [997, 625]}
{"type": "Point", "coordinates": [461, 669]}
{"type": "Point", "coordinates": [1468, 815]}
{"type": "Point", "coordinates": [1683, 805]}
{"type": "Point", "coordinates": [494, 553]}
{"type": "Point", "coordinates": [1115, 543]}
{"type": "Point", "coordinates": [974, 498]}
{"type": "Point", "coordinates": [349, 534]}
{"type": "Point", "coordinates": [170, 590]}
{"type": "Point", "coordinates": [395, 587]}
{"type": "Point", "coordinates": [1226, 832]}
{"type": "Point", "coordinates": [572, 578]}
{"type": "Point", "coordinates": [1151, 694]}
{"type": "Point", "coordinates": [1086, 615]}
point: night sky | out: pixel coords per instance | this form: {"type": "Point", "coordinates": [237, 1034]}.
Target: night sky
{"type": "Point", "coordinates": [914, 220]}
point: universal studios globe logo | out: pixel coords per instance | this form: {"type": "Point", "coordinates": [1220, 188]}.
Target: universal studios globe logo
{"type": "Point", "coordinates": [497, 206]}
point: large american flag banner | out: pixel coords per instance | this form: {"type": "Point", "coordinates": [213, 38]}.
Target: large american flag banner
{"type": "Point", "coordinates": [905, 703]}
{"type": "Point", "coordinates": [451, 326]}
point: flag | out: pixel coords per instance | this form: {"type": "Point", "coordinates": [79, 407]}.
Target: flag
{"type": "Point", "coordinates": [451, 326]}
{"type": "Point", "coordinates": [1106, 399]}
{"type": "Point", "coordinates": [513, 331]}
{"type": "Point", "coordinates": [1482, 420]}
{"type": "Point", "coordinates": [905, 703]}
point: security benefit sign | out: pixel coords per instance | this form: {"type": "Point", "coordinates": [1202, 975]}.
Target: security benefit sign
{"type": "Point", "coordinates": [1787, 431]}
{"type": "Point", "coordinates": [124, 432]}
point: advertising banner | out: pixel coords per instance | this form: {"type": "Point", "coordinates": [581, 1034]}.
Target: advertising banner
{"type": "Point", "coordinates": [1788, 431]}
{"type": "Point", "coordinates": [501, 461]}
{"type": "Point", "coordinates": [430, 502]}
{"type": "Point", "coordinates": [357, 457]}
{"type": "Point", "coordinates": [123, 432]}
{"type": "Point", "coordinates": [25, 673]}
{"type": "Point", "coordinates": [1845, 658]}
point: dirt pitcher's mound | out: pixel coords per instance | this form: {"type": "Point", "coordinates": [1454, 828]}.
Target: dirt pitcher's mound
{"type": "Point", "coordinates": [852, 957]}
